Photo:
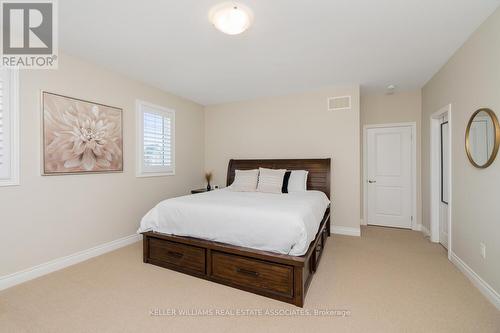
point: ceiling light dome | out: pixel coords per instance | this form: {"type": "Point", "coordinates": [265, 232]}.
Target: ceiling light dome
{"type": "Point", "coordinates": [231, 18]}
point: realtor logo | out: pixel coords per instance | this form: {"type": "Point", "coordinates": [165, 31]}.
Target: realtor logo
{"type": "Point", "coordinates": [29, 38]}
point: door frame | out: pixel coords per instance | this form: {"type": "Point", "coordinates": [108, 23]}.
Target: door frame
{"type": "Point", "coordinates": [415, 225]}
{"type": "Point", "coordinates": [435, 172]}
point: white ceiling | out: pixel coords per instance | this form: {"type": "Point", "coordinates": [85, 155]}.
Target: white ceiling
{"type": "Point", "coordinates": [293, 45]}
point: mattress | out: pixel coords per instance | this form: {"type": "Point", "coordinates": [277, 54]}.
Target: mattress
{"type": "Point", "coordinates": [281, 223]}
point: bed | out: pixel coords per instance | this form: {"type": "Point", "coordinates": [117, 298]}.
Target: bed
{"type": "Point", "coordinates": [263, 243]}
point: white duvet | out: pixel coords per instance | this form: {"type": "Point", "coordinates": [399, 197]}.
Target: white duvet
{"type": "Point", "coordinates": [282, 223]}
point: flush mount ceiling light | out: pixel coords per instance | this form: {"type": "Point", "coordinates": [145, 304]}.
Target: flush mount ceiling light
{"type": "Point", "coordinates": [231, 18]}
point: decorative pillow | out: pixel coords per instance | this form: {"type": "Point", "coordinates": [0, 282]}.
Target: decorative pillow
{"type": "Point", "coordinates": [286, 178]}
{"type": "Point", "coordinates": [245, 180]}
{"type": "Point", "coordinates": [270, 180]}
{"type": "Point", "coordinates": [297, 181]}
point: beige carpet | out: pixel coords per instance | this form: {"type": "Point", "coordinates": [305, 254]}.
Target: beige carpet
{"type": "Point", "coordinates": [389, 280]}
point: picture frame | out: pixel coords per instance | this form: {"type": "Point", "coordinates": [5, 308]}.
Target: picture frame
{"type": "Point", "coordinates": [80, 136]}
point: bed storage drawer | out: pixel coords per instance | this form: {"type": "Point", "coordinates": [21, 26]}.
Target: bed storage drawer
{"type": "Point", "coordinates": [251, 273]}
{"type": "Point", "coordinates": [318, 250]}
{"type": "Point", "coordinates": [184, 256]}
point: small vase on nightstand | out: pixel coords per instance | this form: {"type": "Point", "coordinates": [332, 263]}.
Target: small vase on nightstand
{"type": "Point", "coordinates": [208, 178]}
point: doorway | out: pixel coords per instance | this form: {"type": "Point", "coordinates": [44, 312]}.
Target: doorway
{"type": "Point", "coordinates": [390, 175]}
{"type": "Point", "coordinates": [440, 177]}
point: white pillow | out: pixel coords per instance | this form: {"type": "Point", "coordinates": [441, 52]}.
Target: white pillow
{"type": "Point", "coordinates": [270, 180]}
{"type": "Point", "coordinates": [245, 180]}
{"type": "Point", "coordinates": [297, 181]}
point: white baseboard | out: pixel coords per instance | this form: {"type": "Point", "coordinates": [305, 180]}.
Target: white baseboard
{"type": "Point", "coordinates": [13, 279]}
{"type": "Point", "coordinates": [347, 231]}
{"type": "Point", "coordinates": [476, 280]}
{"type": "Point", "coordinates": [424, 230]}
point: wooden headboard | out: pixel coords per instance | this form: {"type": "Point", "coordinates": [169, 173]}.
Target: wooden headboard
{"type": "Point", "coordinates": [317, 179]}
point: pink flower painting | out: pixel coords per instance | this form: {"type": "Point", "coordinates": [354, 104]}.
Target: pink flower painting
{"type": "Point", "coordinates": [80, 136]}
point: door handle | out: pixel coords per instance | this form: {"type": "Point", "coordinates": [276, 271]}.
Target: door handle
{"type": "Point", "coordinates": [372, 181]}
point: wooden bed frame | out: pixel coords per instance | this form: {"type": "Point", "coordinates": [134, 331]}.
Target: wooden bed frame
{"type": "Point", "coordinates": [281, 277]}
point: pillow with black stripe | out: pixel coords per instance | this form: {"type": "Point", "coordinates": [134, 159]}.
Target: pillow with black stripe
{"type": "Point", "coordinates": [297, 181]}
{"type": "Point", "coordinates": [270, 180]}
{"type": "Point", "coordinates": [286, 178]}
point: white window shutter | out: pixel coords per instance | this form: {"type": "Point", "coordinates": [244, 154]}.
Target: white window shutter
{"type": "Point", "coordinates": [9, 128]}
{"type": "Point", "coordinates": [5, 128]}
{"type": "Point", "coordinates": [4, 166]}
{"type": "Point", "coordinates": [156, 140]}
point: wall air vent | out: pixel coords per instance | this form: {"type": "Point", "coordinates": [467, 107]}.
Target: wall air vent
{"type": "Point", "coordinates": [339, 103]}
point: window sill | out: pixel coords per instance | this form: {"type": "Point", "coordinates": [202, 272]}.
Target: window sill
{"type": "Point", "coordinates": [9, 182]}
{"type": "Point", "coordinates": [155, 174]}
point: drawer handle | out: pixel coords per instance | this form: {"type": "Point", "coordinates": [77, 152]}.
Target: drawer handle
{"type": "Point", "coordinates": [247, 272]}
{"type": "Point", "coordinates": [177, 255]}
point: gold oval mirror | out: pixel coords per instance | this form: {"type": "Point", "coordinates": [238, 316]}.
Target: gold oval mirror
{"type": "Point", "coordinates": [482, 138]}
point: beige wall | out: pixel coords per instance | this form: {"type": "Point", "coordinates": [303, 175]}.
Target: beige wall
{"type": "Point", "coordinates": [51, 217]}
{"type": "Point", "coordinates": [295, 126]}
{"type": "Point", "coordinates": [470, 80]}
{"type": "Point", "coordinates": [400, 107]}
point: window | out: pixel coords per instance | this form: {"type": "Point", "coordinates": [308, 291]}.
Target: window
{"type": "Point", "coordinates": [9, 128]}
{"type": "Point", "coordinates": [155, 140]}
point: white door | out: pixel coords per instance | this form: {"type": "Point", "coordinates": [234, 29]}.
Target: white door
{"type": "Point", "coordinates": [389, 173]}
{"type": "Point", "coordinates": [444, 181]}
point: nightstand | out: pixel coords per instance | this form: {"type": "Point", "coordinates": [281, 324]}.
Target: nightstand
{"type": "Point", "coordinates": [200, 190]}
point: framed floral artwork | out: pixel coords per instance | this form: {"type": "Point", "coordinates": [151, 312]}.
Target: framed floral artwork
{"type": "Point", "coordinates": [80, 136]}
